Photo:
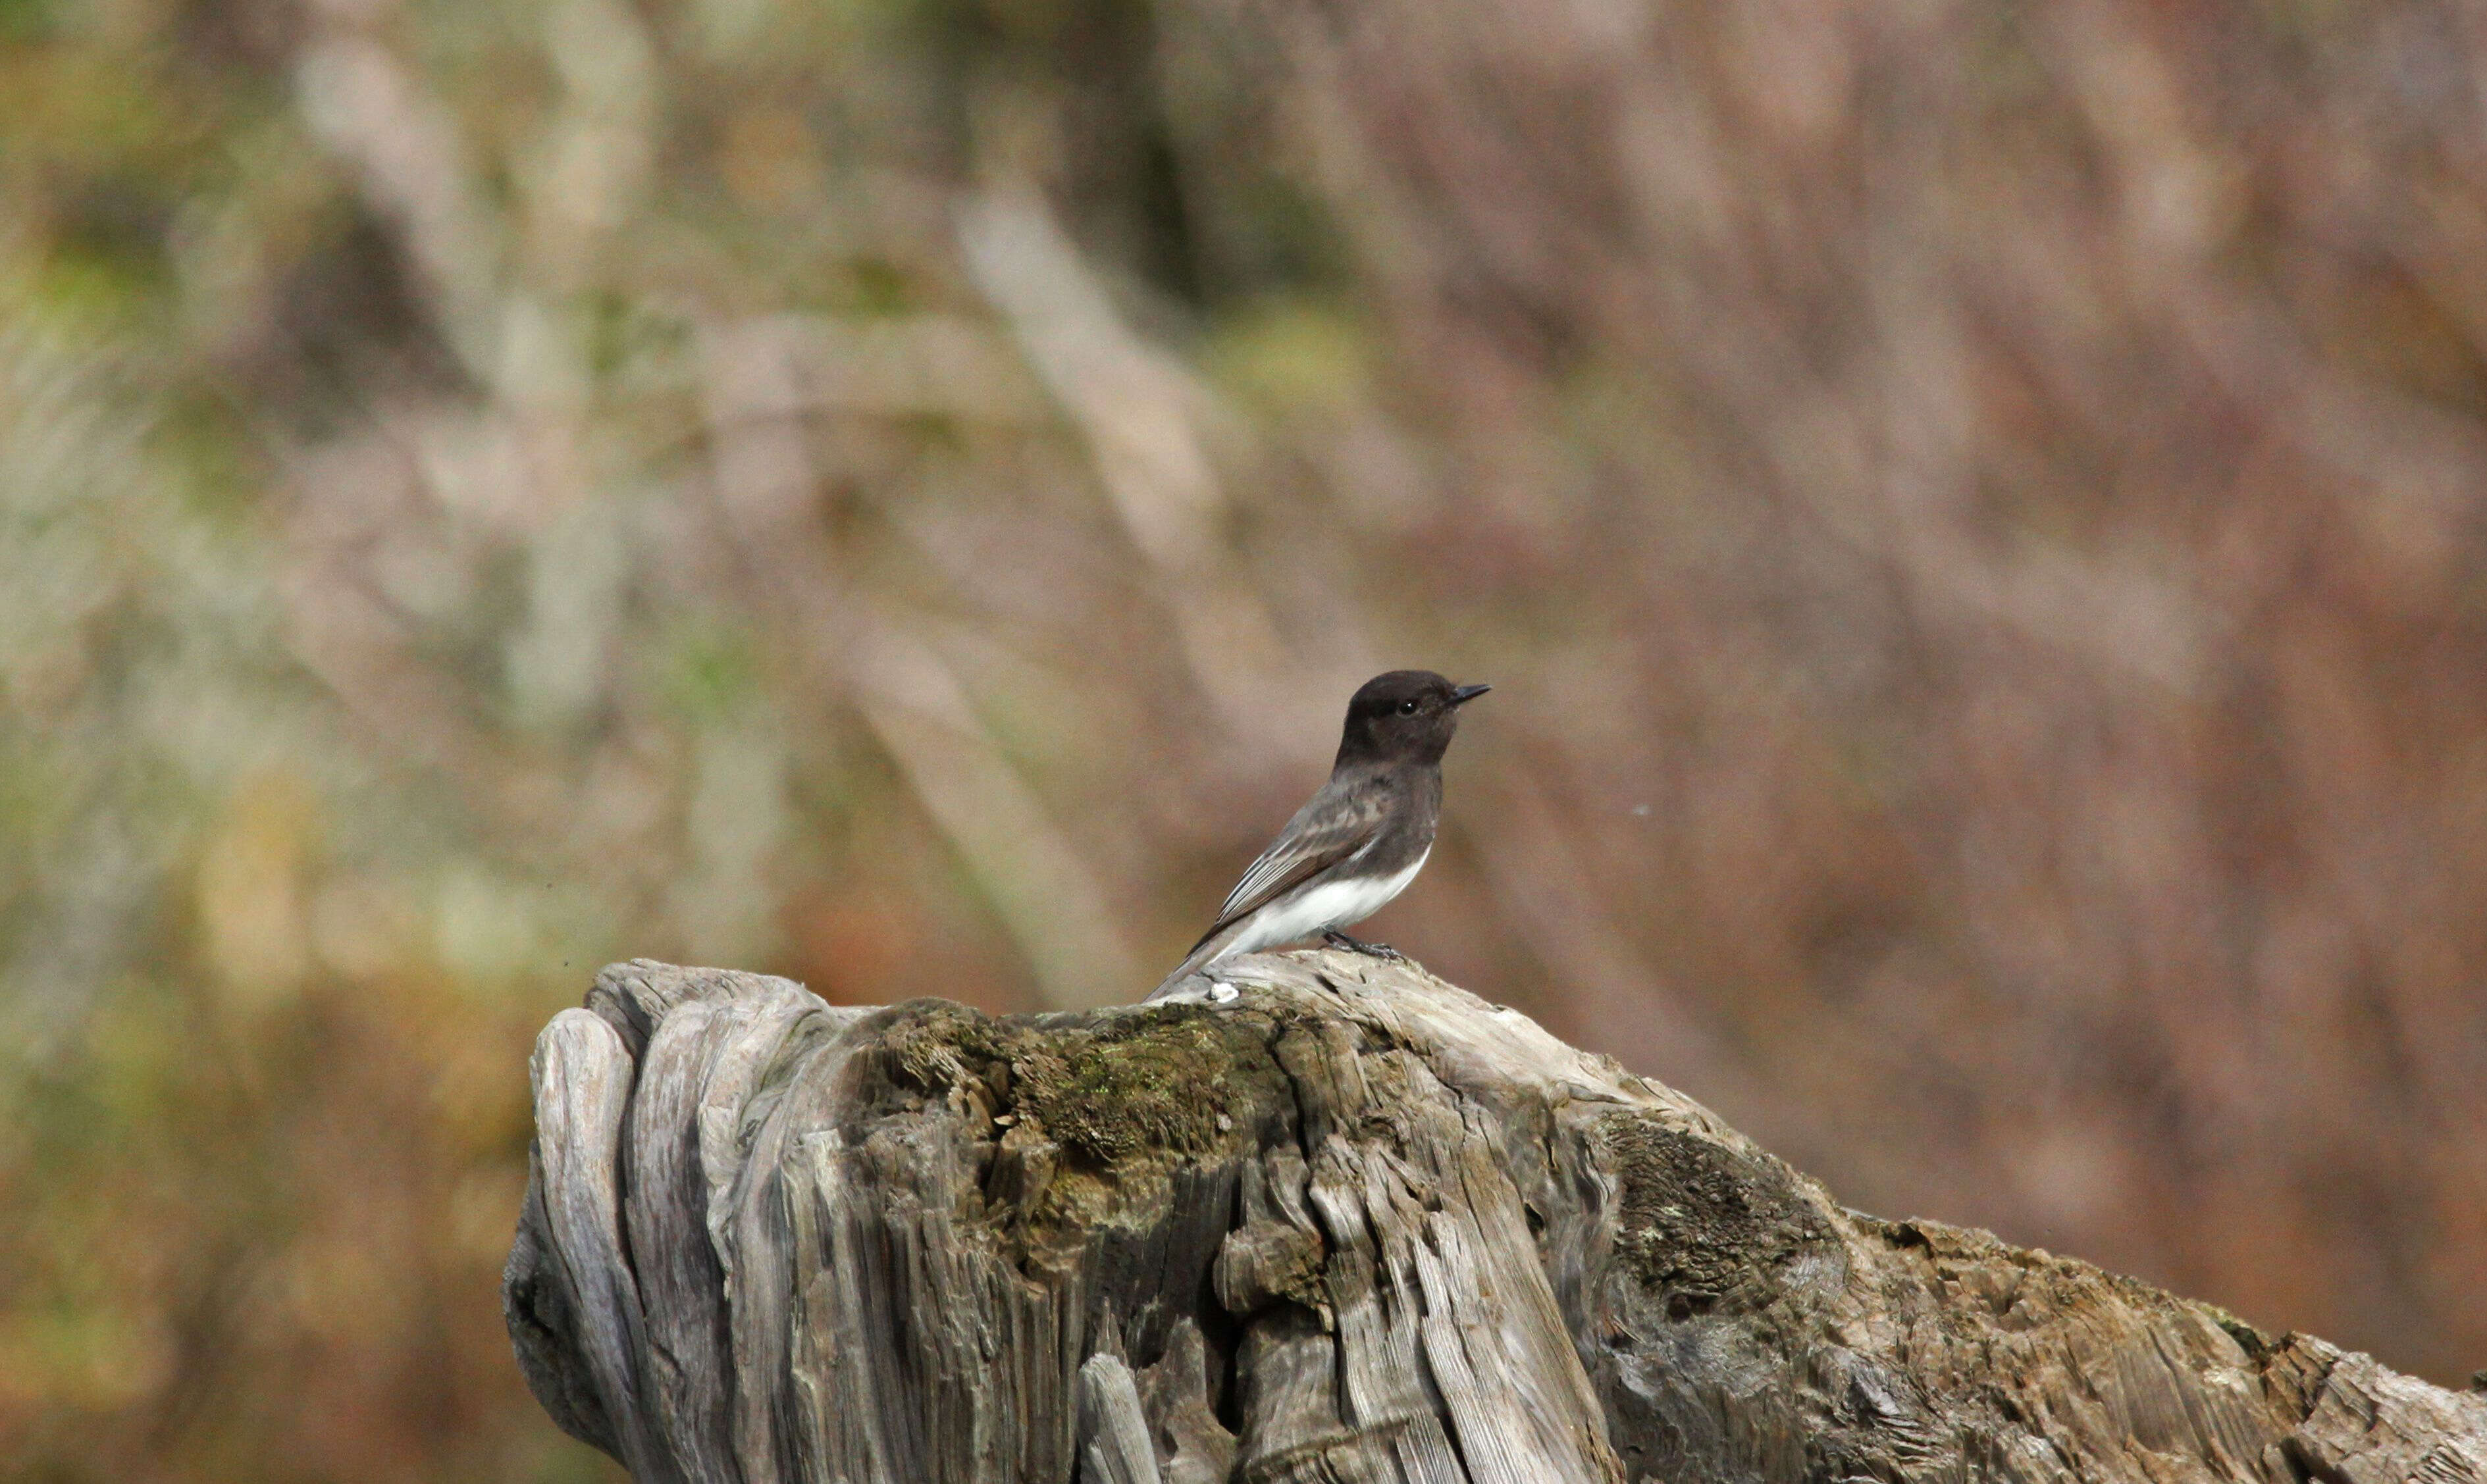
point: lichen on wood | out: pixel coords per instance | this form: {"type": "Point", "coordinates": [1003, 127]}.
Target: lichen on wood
{"type": "Point", "coordinates": [1355, 1224]}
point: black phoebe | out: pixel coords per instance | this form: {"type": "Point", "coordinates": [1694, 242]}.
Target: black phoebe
{"type": "Point", "coordinates": [1361, 839]}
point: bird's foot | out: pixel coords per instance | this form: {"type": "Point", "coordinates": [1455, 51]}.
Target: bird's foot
{"type": "Point", "coordinates": [1382, 951]}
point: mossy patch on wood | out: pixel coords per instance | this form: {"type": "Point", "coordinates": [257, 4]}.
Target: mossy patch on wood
{"type": "Point", "coordinates": [1700, 1219]}
{"type": "Point", "coordinates": [1145, 1082]}
{"type": "Point", "coordinates": [1172, 1079]}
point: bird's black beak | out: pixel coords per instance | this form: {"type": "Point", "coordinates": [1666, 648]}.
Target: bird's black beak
{"type": "Point", "coordinates": [1461, 695]}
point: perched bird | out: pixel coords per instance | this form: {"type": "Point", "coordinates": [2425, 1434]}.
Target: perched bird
{"type": "Point", "coordinates": [1361, 839]}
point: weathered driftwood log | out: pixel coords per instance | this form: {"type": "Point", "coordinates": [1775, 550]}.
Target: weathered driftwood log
{"type": "Point", "coordinates": [1356, 1224]}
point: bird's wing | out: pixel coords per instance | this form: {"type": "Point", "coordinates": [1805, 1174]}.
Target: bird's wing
{"type": "Point", "coordinates": [1335, 825]}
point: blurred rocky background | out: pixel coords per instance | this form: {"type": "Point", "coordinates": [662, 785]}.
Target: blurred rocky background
{"type": "Point", "coordinates": [1976, 515]}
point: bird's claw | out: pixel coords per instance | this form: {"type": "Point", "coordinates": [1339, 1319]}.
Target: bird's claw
{"type": "Point", "coordinates": [1382, 951]}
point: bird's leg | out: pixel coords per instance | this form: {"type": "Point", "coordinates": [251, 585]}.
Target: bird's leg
{"type": "Point", "coordinates": [1339, 940]}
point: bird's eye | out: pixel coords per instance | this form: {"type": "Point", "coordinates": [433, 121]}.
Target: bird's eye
{"type": "Point", "coordinates": [1408, 707]}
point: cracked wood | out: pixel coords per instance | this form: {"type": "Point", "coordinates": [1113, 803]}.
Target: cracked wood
{"type": "Point", "coordinates": [1356, 1224]}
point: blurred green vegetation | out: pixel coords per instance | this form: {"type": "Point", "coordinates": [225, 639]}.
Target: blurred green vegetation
{"type": "Point", "coordinates": [1973, 516]}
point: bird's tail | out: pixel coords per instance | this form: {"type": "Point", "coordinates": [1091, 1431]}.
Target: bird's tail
{"type": "Point", "coordinates": [1207, 951]}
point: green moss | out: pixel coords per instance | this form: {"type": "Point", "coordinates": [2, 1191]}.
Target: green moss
{"type": "Point", "coordinates": [1168, 1081]}
{"type": "Point", "coordinates": [1158, 1081]}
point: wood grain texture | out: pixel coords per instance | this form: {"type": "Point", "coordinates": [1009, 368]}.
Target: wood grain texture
{"type": "Point", "coordinates": [1354, 1225]}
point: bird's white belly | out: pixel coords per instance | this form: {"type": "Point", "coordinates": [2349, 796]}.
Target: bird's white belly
{"type": "Point", "coordinates": [1317, 909]}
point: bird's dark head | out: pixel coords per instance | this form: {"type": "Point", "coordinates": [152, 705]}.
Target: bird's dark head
{"type": "Point", "coordinates": [1405, 713]}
